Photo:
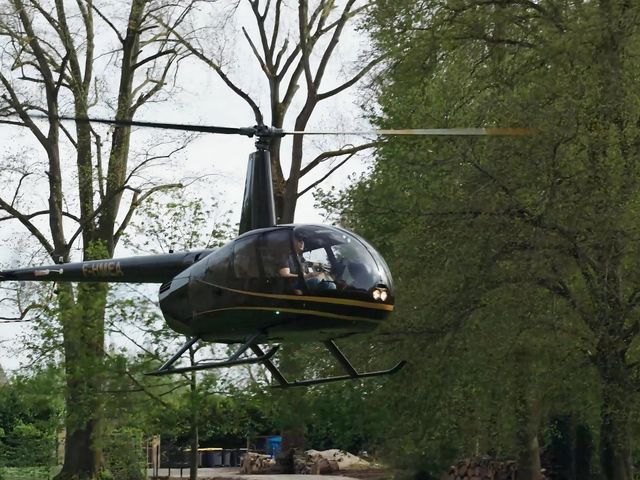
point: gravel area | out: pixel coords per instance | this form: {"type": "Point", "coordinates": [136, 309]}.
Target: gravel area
{"type": "Point", "coordinates": [231, 473]}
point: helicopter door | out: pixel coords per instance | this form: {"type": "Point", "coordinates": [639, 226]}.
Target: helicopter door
{"type": "Point", "coordinates": [246, 267]}
{"type": "Point", "coordinates": [275, 251]}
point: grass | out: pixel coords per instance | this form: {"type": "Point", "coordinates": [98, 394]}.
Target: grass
{"type": "Point", "coordinates": [28, 473]}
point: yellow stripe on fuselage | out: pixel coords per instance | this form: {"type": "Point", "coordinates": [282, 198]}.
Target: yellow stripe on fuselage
{"type": "Point", "coordinates": [307, 298]}
{"type": "Point", "coordinates": [294, 310]}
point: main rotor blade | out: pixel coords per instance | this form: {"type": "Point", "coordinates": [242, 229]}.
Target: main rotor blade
{"type": "Point", "coordinates": [249, 132]}
{"type": "Point", "coordinates": [511, 132]}
{"type": "Point", "coordinates": [263, 131]}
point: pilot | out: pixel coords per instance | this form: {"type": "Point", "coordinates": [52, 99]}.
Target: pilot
{"type": "Point", "coordinates": [314, 279]}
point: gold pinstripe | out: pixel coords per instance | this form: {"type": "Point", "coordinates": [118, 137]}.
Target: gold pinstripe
{"type": "Point", "coordinates": [306, 298]}
{"type": "Point", "coordinates": [294, 310]}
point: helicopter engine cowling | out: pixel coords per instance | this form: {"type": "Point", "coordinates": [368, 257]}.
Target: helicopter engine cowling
{"type": "Point", "coordinates": [175, 303]}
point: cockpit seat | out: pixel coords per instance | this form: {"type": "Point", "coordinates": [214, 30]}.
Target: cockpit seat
{"type": "Point", "coordinates": [338, 269]}
{"type": "Point", "coordinates": [360, 274]}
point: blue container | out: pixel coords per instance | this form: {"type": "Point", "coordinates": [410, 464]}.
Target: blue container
{"type": "Point", "coordinates": [274, 445]}
{"type": "Point", "coordinates": [207, 459]}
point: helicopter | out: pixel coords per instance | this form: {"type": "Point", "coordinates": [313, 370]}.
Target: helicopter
{"type": "Point", "coordinates": [272, 284]}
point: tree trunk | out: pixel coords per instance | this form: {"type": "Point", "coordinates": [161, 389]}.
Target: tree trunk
{"type": "Point", "coordinates": [528, 414]}
{"type": "Point", "coordinates": [293, 407]}
{"type": "Point", "coordinates": [84, 355]}
{"type": "Point", "coordinates": [81, 461]}
{"type": "Point", "coordinates": [529, 457]}
{"type": "Point", "coordinates": [615, 441]}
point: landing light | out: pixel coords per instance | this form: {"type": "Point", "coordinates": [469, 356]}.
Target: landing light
{"type": "Point", "coordinates": [380, 294]}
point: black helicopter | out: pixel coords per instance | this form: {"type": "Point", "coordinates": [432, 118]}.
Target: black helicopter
{"type": "Point", "coordinates": [273, 283]}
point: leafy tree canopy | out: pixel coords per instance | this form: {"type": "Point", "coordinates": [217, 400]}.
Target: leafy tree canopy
{"type": "Point", "coordinates": [513, 255]}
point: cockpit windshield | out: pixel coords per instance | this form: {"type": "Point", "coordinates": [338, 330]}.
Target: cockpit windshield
{"type": "Point", "coordinates": [337, 260]}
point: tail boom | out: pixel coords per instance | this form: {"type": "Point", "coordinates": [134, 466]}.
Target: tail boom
{"type": "Point", "coordinates": [146, 269]}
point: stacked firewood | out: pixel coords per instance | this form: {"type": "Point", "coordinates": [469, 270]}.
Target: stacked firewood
{"type": "Point", "coordinates": [256, 463]}
{"type": "Point", "coordinates": [482, 469]}
{"type": "Point", "coordinates": [306, 464]}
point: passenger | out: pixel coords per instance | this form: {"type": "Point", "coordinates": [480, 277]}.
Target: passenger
{"type": "Point", "coordinates": [291, 267]}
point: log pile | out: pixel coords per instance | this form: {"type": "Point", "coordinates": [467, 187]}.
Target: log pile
{"type": "Point", "coordinates": [327, 462]}
{"type": "Point", "coordinates": [305, 464]}
{"type": "Point", "coordinates": [311, 462]}
{"type": "Point", "coordinates": [256, 463]}
{"type": "Point", "coordinates": [340, 459]}
{"type": "Point", "coordinates": [482, 469]}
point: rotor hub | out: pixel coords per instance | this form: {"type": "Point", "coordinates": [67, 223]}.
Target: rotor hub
{"type": "Point", "coordinates": [264, 134]}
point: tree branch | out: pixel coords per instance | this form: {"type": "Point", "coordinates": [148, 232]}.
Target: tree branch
{"type": "Point", "coordinates": [256, 54]}
{"type": "Point", "coordinates": [108, 22]}
{"type": "Point", "coordinates": [28, 225]}
{"type": "Point", "coordinates": [324, 177]}
{"type": "Point", "coordinates": [355, 79]}
{"type": "Point", "coordinates": [154, 57]}
{"type": "Point", "coordinates": [135, 203]}
{"type": "Point", "coordinates": [223, 76]}
{"type": "Point", "coordinates": [335, 38]}
{"type": "Point", "coordinates": [335, 153]}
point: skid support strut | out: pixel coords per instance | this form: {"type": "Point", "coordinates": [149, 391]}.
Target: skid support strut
{"type": "Point", "coordinates": [265, 358]}
{"type": "Point", "coordinates": [232, 361]}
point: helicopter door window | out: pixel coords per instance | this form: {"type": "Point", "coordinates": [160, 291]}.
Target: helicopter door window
{"type": "Point", "coordinates": [276, 252]}
{"type": "Point", "coordinates": [245, 263]}
{"type": "Point", "coordinates": [218, 265]}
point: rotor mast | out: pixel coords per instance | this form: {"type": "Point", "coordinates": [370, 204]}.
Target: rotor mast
{"type": "Point", "coordinates": [258, 205]}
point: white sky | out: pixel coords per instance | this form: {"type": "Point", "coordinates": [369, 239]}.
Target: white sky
{"type": "Point", "coordinates": [203, 99]}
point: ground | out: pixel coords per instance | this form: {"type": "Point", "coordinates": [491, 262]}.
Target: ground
{"type": "Point", "coordinates": [232, 473]}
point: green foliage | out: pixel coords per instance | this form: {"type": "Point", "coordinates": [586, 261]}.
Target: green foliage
{"type": "Point", "coordinates": [105, 475]}
{"type": "Point", "coordinates": [30, 417]}
{"type": "Point", "coordinates": [345, 417]}
{"type": "Point", "coordinates": [515, 259]}
{"type": "Point", "coordinates": [27, 473]}
{"type": "Point", "coordinates": [125, 455]}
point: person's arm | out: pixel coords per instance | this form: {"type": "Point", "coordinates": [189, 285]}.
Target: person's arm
{"type": "Point", "coordinates": [286, 273]}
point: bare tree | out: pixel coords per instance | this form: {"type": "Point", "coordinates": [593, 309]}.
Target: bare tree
{"type": "Point", "coordinates": [49, 60]}
{"type": "Point", "coordinates": [287, 61]}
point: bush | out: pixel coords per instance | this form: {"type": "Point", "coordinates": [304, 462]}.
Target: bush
{"type": "Point", "coordinates": [125, 457]}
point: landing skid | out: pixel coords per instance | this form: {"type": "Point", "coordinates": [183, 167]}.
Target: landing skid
{"type": "Point", "coordinates": [265, 358]}
{"type": "Point", "coordinates": [352, 373]}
